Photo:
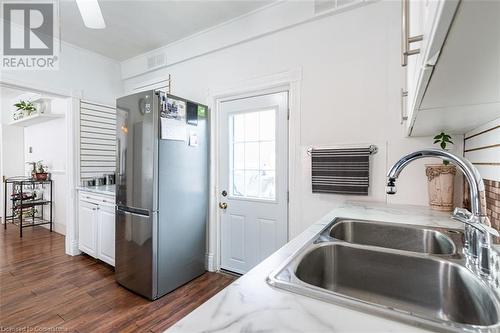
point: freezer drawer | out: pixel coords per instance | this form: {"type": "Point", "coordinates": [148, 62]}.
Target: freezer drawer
{"type": "Point", "coordinates": [134, 262]}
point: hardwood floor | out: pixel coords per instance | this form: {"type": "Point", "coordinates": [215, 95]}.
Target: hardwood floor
{"type": "Point", "coordinates": [42, 288]}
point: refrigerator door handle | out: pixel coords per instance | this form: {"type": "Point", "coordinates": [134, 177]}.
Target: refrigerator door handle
{"type": "Point", "coordinates": [134, 211]}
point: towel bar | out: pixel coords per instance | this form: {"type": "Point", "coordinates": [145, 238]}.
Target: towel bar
{"type": "Point", "coordinates": [373, 148]}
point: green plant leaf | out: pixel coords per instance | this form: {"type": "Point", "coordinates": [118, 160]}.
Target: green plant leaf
{"type": "Point", "coordinates": [443, 139]}
{"type": "Point", "coordinates": [25, 105]}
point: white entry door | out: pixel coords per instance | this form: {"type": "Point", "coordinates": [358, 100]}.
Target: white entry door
{"type": "Point", "coordinates": [253, 179]}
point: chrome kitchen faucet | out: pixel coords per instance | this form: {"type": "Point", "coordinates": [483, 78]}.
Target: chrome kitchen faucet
{"type": "Point", "coordinates": [477, 225]}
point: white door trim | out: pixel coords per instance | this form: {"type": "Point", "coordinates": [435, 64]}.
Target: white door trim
{"type": "Point", "coordinates": [72, 132]}
{"type": "Point", "coordinates": [285, 81]}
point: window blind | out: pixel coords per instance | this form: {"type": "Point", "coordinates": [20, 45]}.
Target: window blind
{"type": "Point", "coordinates": [97, 139]}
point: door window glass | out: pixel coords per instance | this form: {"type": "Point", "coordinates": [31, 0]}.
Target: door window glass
{"type": "Point", "coordinates": [252, 147]}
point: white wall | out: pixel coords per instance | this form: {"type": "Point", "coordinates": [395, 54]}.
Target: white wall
{"type": "Point", "coordinates": [350, 88]}
{"type": "Point", "coordinates": [13, 148]}
{"type": "Point", "coordinates": [48, 143]}
{"type": "Point", "coordinates": [1, 160]}
{"type": "Point", "coordinates": [481, 148]}
{"type": "Point", "coordinates": [12, 142]}
{"type": "Point", "coordinates": [98, 78]}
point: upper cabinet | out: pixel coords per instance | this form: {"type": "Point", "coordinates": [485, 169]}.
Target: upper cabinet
{"type": "Point", "coordinates": [453, 65]}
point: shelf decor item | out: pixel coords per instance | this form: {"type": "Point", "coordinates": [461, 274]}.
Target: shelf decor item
{"type": "Point", "coordinates": [39, 171]}
{"type": "Point", "coordinates": [440, 179]}
{"type": "Point", "coordinates": [31, 109]}
{"type": "Point", "coordinates": [24, 109]}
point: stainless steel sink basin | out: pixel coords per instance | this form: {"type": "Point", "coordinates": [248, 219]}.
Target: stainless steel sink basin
{"type": "Point", "coordinates": [428, 290]}
{"type": "Point", "coordinates": [431, 288]}
{"type": "Point", "coordinates": [394, 236]}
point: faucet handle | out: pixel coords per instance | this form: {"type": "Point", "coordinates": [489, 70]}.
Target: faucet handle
{"type": "Point", "coordinates": [464, 216]}
{"type": "Point", "coordinates": [488, 229]}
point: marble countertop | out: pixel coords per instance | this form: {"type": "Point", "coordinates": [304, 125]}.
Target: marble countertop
{"type": "Point", "coordinates": [101, 189]}
{"type": "Point", "coordinates": [251, 305]}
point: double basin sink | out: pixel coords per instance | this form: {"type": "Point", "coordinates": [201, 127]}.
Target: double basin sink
{"type": "Point", "coordinates": [409, 273]}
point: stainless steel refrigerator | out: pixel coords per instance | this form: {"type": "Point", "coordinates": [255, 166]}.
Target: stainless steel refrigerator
{"type": "Point", "coordinates": [162, 192]}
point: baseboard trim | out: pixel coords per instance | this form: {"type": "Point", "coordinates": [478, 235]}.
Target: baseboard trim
{"type": "Point", "coordinates": [57, 227]}
{"type": "Point", "coordinates": [73, 249]}
{"type": "Point", "coordinates": [209, 262]}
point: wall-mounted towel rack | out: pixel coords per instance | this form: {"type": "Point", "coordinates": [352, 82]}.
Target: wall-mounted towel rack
{"type": "Point", "coordinates": [373, 148]}
{"type": "Point", "coordinates": [341, 170]}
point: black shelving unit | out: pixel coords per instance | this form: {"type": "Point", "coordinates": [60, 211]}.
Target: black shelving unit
{"type": "Point", "coordinates": [27, 202]}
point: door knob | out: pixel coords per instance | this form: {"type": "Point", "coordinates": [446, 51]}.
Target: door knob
{"type": "Point", "coordinates": [222, 205]}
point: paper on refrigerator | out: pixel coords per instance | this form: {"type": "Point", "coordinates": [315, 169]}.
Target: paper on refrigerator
{"type": "Point", "coordinates": [173, 122]}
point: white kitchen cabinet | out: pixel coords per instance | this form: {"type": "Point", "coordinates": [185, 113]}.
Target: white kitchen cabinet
{"type": "Point", "coordinates": [96, 226]}
{"type": "Point", "coordinates": [453, 83]}
{"type": "Point", "coordinates": [106, 234]}
{"type": "Point", "coordinates": [464, 90]}
{"type": "Point", "coordinates": [87, 228]}
{"type": "Point", "coordinates": [423, 36]}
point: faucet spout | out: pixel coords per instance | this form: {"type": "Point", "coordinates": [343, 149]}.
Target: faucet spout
{"type": "Point", "coordinates": [476, 184]}
{"type": "Point", "coordinates": [477, 225]}
{"type": "Point", "coordinates": [391, 186]}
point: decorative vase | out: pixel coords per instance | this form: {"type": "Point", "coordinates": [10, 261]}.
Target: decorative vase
{"type": "Point", "coordinates": [41, 176]}
{"type": "Point", "coordinates": [39, 107]}
{"type": "Point", "coordinates": [440, 179]}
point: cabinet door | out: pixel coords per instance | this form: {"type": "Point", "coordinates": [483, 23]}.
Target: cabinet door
{"type": "Point", "coordinates": [417, 18]}
{"type": "Point", "coordinates": [106, 234]}
{"type": "Point", "coordinates": [87, 228]}
{"type": "Point", "coordinates": [431, 20]}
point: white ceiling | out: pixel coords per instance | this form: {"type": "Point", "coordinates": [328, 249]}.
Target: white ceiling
{"type": "Point", "coordinates": [134, 27]}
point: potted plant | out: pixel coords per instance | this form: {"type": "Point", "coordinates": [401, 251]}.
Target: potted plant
{"type": "Point", "coordinates": [440, 178]}
{"type": "Point", "coordinates": [39, 171]}
{"type": "Point", "coordinates": [24, 108]}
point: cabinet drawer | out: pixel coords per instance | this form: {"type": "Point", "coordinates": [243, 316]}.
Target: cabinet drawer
{"type": "Point", "coordinates": [97, 199]}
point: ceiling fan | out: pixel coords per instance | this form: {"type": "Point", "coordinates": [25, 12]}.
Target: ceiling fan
{"type": "Point", "coordinates": [91, 14]}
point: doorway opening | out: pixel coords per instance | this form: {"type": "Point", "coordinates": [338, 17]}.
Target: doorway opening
{"type": "Point", "coordinates": [34, 135]}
